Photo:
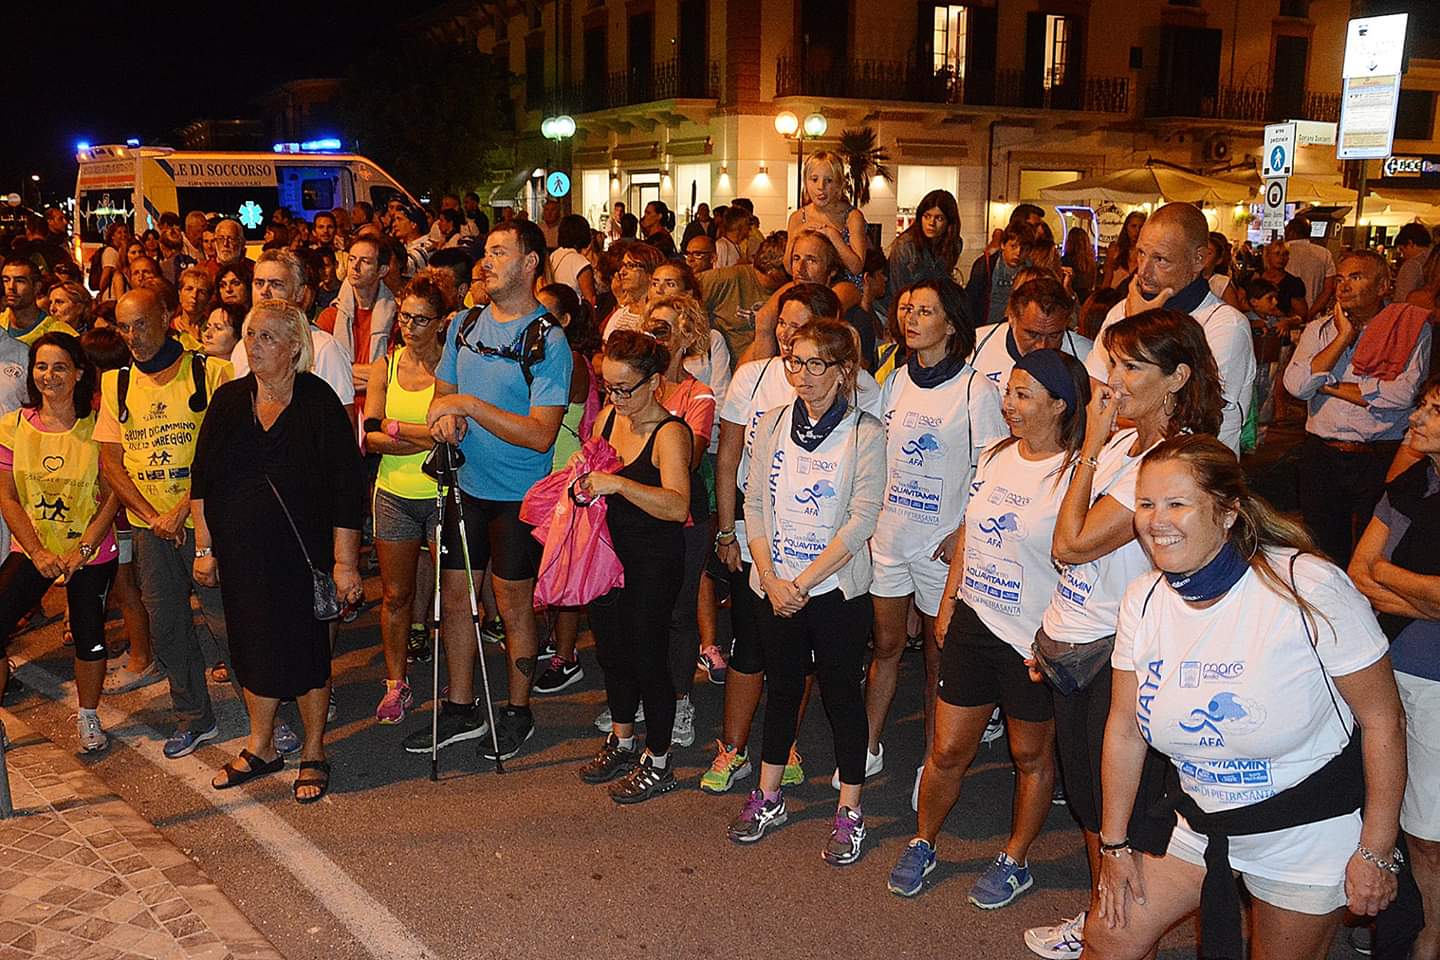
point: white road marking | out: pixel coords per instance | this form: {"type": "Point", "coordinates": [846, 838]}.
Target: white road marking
{"type": "Point", "coordinates": [375, 928]}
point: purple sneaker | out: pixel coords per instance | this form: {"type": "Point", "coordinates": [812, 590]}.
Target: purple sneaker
{"type": "Point", "coordinates": [845, 839]}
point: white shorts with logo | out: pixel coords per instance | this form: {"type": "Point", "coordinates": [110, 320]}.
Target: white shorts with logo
{"type": "Point", "coordinates": [1420, 811]}
{"type": "Point", "coordinates": [923, 577]}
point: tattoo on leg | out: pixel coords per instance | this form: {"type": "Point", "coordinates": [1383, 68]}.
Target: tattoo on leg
{"type": "Point", "coordinates": [526, 666]}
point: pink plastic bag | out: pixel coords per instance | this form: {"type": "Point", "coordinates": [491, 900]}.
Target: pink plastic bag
{"type": "Point", "coordinates": [579, 561]}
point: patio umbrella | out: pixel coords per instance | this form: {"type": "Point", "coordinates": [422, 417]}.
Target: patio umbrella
{"type": "Point", "coordinates": [1301, 188]}
{"type": "Point", "coordinates": [1149, 184]}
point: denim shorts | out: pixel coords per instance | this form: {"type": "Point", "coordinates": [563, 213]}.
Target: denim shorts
{"type": "Point", "coordinates": [402, 519]}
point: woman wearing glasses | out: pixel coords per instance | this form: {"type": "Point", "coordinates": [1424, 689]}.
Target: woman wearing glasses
{"type": "Point", "coordinates": [638, 262]}
{"type": "Point", "coordinates": [649, 499]}
{"type": "Point", "coordinates": [401, 387]}
{"type": "Point", "coordinates": [813, 496]}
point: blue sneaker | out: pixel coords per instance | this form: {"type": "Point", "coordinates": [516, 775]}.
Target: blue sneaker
{"type": "Point", "coordinates": [286, 740]}
{"type": "Point", "coordinates": [1002, 882]}
{"type": "Point", "coordinates": [182, 743]}
{"type": "Point", "coordinates": [914, 865]}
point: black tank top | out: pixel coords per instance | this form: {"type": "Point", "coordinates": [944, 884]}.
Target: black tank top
{"type": "Point", "coordinates": [634, 532]}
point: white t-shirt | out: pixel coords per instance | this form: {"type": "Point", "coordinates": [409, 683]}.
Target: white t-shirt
{"type": "Point", "coordinates": [1313, 264]}
{"type": "Point", "coordinates": [933, 438]}
{"type": "Point", "coordinates": [1236, 697]}
{"type": "Point", "coordinates": [1228, 333]}
{"type": "Point", "coordinates": [1009, 525]}
{"type": "Point", "coordinates": [992, 353]}
{"type": "Point", "coordinates": [808, 511]}
{"type": "Point", "coordinates": [760, 386]}
{"type": "Point", "coordinates": [1086, 603]}
{"type": "Point", "coordinates": [623, 319]}
{"type": "Point", "coordinates": [330, 364]}
{"type": "Point", "coordinates": [713, 370]}
{"type": "Point", "coordinates": [566, 266]}
{"type": "Point", "coordinates": [727, 253]}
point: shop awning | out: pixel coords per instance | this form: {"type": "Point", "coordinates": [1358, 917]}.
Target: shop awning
{"type": "Point", "coordinates": [1148, 184]}
{"type": "Point", "coordinates": [514, 186]}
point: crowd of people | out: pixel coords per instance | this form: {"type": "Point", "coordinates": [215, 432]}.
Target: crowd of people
{"type": "Point", "coordinates": [1032, 478]}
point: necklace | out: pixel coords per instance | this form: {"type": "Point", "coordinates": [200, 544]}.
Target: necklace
{"type": "Point", "coordinates": [271, 395]}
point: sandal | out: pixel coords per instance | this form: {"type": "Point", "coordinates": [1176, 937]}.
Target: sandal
{"type": "Point", "coordinates": [235, 776]}
{"type": "Point", "coordinates": [323, 782]}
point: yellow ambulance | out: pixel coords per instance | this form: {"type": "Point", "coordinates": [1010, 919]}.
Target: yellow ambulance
{"type": "Point", "coordinates": [135, 184]}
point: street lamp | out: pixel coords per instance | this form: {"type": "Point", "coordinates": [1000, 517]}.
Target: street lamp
{"type": "Point", "coordinates": [558, 128]}
{"type": "Point", "coordinates": [788, 125]}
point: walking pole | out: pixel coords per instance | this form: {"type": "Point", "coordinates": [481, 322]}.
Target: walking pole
{"type": "Point", "coordinates": [475, 621]}
{"type": "Point", "coordinates": [435, 626]}
{"type": "Point", "coordinates": [7, 806]}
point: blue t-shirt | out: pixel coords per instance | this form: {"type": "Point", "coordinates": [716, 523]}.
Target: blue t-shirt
{"type": "Point", "coordinates": [1416, 650]}
{"type": "Point", "coordinates": [495, 469]}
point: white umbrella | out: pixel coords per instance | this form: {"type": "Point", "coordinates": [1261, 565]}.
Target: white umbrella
{"type": "Point", "coordinates": [1149, 184]}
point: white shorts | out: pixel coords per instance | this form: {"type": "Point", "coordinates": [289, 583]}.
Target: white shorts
{"type": "Point", "coordinates": [1420, 811]}
{"type": "Point", "coordinates": [1308, 898]}
{"type": "Point", "coordinates": [923, 577]}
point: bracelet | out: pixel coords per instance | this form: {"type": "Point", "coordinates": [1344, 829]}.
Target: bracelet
{"type": "Point", "coordinates": [1390, 866]}
{"type": "Point", "coordinates": [203, 552]}
{"type": "Point", "coordinates": [1116, 850]}
{"type": "Point", "coordinates": [1091, 462]}
{"type": "Point", "coordinates": [392, 429]}
{"type": "Point", "coordinates": [724, 537]}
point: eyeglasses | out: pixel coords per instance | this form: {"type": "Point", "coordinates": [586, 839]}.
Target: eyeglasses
{"type": "Point", "coordinates": [621, 393]}
{"type": "Point", "coordinates": [697, 254]}
{"type": "Point", "coordinates": [815, 366]}
{"type": "Point", "coordinates": [416, 319]}
{"type": "Point", "coordinates": [631, 265]}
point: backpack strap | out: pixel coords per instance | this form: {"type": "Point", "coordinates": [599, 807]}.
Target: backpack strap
{"type": "Point", "coordinates": [122, 387]}
{"type": "Point", "coordinates": [199, 396]}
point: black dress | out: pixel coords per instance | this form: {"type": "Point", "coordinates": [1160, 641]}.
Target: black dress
{"type": "Point", "coordinates": [277, 647]}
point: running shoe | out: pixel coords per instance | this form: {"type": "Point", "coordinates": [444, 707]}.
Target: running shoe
{"type": "Point", "coordinates": [493, 630]}
{"type": "Point", "coordinates": [915, 790]}
{"type": "Point", "coordinates": [712, 661]}
{"type": "Point", "coordinates": [1058, 796]}
{"type": "Point", "coordinates": [285, 739]}
{"type": "Point", "coordinates": [513, 727]}
{"type": "Point", "coordinates": [728, 766]}
{"type": "Point", "coordinates": [182, 743]}
{"type": "Point", "coordinates": [757, 816]}
{"type": "Point", "coordinates": [559, 674]}
{"type": "Point", "coordinates": [457, 722]}
{"type": "Point", "coordinates": [915, 863]}
{"type": "Point", "coordinates": [92, 738]}
{"type": "Point", "coordinates": [330, 709]}
{"type": "Point", "coordinates": [1362, 939]}
{"type": "Point", "coordinates": [643, 781]}
{"type": "Point", "coordinates": [417, 645]}
{"type": "Point", "coordinates": [1001, 883]}
{"type": "Point", "coordinates": [682, 734]}
{"type": "Point", "coordinates": [124, 680]}
{"type": "Point", "coordinates": [610, 761]}
{"type": "Point", "coordinates": [874, 763]}
{"type": "Point", "coordinates": [396, 701]}
{"type": "Point", "coordinates": [605, 724]}
{"type": "Point", "coordinates": [794, 769]}
{"type": "Point", "coordinates": [995, 729]}
{"type": "Point", "coordinates": [845, 838]}
{"type": "Point", "coordinates": [1064, 941]}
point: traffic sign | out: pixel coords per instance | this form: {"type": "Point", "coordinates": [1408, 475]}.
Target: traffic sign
{"type": "Point", "coordinates": [558, 183]}
{"type": "Point", "coordinates": [1273, 221]}
{"type": "Point", "coordinates": [1279, 150]}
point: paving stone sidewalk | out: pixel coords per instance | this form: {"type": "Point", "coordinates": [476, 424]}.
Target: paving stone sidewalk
{"type": "Point", "coordinates": [84, 877]}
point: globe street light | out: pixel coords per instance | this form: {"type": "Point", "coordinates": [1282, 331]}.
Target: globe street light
{"type": "Point", "coordinates": [788, 125]}
{"type": "Point", "coordinates": [558, 128]}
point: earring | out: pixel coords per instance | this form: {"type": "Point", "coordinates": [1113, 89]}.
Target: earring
{"type": "Point", "coordinates": [1169, 404]}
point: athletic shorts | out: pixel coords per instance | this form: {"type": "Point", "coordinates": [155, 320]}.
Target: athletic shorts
{"type": "Point", "coordinates": [1309, 898]}
{"type": "Point", "coordinates": [978, 669]}
{"type": "Point", "coordinates": [497, 537]}
{"type": "Point", "coordinates": [923, 577]}
{"type": "Point", "coordinates": [1420, 811]}
{"type": "Point", "coordinates": [400, 519]}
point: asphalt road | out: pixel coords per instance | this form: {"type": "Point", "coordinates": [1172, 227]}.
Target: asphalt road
{"type": "Point", "coordinates": [536, 864]}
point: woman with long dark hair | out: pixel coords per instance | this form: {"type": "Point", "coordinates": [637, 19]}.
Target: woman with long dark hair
{"type": "Point", "coordinates": [1120, 256]}
{"type": "Point", "coordinates": [929, 247]}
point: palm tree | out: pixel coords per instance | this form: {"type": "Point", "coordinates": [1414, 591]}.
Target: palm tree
{"type": "Point", "coordinates": [864, 160]}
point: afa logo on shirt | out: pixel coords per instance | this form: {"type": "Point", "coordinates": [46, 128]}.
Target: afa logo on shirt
{"type": "Point", "coordinates": [809, 497]}
{"type": "Point", "coordinates": [996, 529]}
{"type": "Point", "coordinates": [1224, 713]}
{"type": "Point", "coordinates": [916, 448]}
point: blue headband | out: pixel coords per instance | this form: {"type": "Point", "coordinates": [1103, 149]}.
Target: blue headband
{"type": "Point", "coordinates": [1048, 367]}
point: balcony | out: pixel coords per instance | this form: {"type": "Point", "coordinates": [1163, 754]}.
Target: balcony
{"type": "Point", "coordinates": [909, 81]}
{"type": "Point", "coordinates": [1252, 104]}
{"type": "Point", "coordinates": [672, 79]}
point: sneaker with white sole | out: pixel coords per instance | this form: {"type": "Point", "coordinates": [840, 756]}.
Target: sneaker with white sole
{"type": "Point", "coordinates": [995, 729]}
{"type": "Point", "coordinates": [756, 816]}
{"type": "Point", "coordinates": [907, 878]}
{"type": "Point", "coordinates": [285, 739]}
{"type": "Point", "coordinates": [559, 674]}
{"type": "Point", "coordinates": [794, 769]}
{"type": "Point", "coordinates": [605, 724]}
{"type": "Point", "coordinates": [1064, 941]}
{"type": "Point", "coordinates": [874, 763]}
{"type": "Point", "coordinates": [846, 836]}
{"type": "Point", "coordinates": [682, 734]}
{"type": "Point", "coordinates": [396, 701]}
{"type": "Point", "coordinates": [1001, 883]}
{"type": "Point", "coordinates": [712, 661]}
{"type": "Point", "coordinates": [92, 737]}
{"type": "Point", "coordinates": [728, 766]}
{"type": "Point", "coordinates": [182, 743]}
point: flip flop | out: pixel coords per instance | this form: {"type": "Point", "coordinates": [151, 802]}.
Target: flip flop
{"type": "Point", "coordinates": [235, 776]}
{"type": "Point", "coordinates": [323, 782]}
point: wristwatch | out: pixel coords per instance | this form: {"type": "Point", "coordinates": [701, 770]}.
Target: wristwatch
{"type": "Point", "coordinates": [202, 552]}
{"type": "Point", "coordinates": [86, 550]}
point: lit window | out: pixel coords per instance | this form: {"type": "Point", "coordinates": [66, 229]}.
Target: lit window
{"type": "Point", "coordinates": [1057, 50]}
{"type": "Point", "coordinates": [950, 40]}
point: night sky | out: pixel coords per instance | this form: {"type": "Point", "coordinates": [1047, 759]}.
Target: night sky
{"type": "Point", "coordinates": [104, 73]}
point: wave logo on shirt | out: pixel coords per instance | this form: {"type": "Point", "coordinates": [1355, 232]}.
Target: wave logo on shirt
{"type": "Point", "coordinates": [917, 447]}
{"type": "Point", "coordinates": [810, 497]}
{"type": "Point", "coordinates": [1227, 711]}
{"type": "Point", "coordinates": [998, 528]}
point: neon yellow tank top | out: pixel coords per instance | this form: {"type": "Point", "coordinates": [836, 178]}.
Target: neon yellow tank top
{"type": "Point", "coordinates": [57, 476]}
{"type": "Point", "coordinates": [400, 474]}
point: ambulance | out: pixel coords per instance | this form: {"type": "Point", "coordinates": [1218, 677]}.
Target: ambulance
{"type": "Point", "coordinates": [135, 184]}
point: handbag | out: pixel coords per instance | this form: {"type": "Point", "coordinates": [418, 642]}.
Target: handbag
{"type": "Point", "coordinates": [578, 563]}
{"type": "Point", "coordinates": [325, 602]}
{"type": "Point", "coordinates": [1070, 667]}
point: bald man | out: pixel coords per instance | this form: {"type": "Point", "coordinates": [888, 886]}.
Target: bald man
{"type": "Point", "coordinates": [1173, 247]}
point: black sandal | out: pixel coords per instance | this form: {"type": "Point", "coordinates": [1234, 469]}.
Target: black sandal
{"type": "Point", "coordinates": [235, 776]}
{"type": "Point", "coordinates": [323, 782]}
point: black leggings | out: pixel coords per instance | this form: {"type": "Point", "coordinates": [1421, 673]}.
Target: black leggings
{"type": "Point", "coordinates": [684, 625]}
{"type": "Point", "coordinates": [829, 632]}
{"type": "Point", "coordinates": [632, 641]}
{"type": "Point", "coordinates": [22, 586]}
